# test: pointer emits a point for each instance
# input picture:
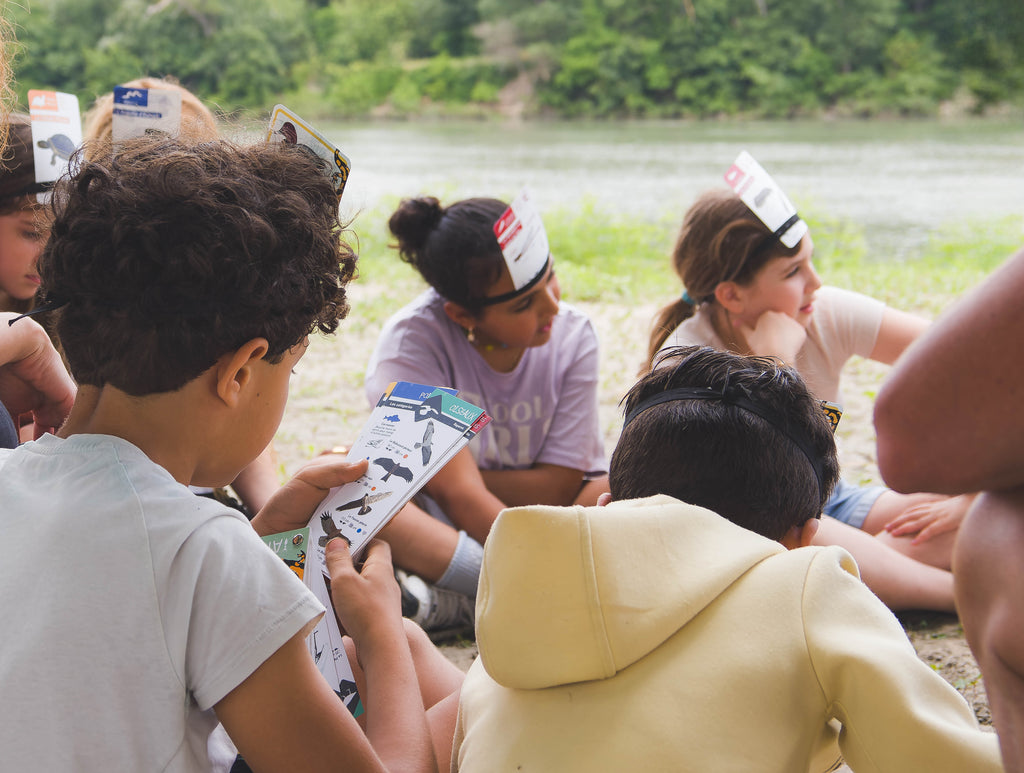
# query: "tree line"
(568, 58)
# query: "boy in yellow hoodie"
(687, 626)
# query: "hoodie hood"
(571, 594)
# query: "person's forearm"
(396, 721)
(545, 484)
(947, 418)
(463, 496)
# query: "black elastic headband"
(516, 293)
(782, 229)
(729, 397)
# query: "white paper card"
(764, 198)
(56, 133)
(523, 240)
(143, 111)
(286, 126)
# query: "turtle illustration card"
(286, 126)
(145, 111)
(56, 133)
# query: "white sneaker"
(441, 613)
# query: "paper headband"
(286, 126)
(765, 198)
(138, 112)
(524, 245)
(56, 134)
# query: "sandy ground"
(327, 407)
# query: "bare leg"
(420, 543)
(900, 582)
(936, 551)
(989, 589)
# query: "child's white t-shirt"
(130, 607)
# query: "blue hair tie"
(687, 299)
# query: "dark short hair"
(169, 255)
(719, 455)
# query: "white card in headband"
(765, 198)
(523, 241)
(56, 133)
(286, 126)
(138, 112)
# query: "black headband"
(730, 397)
(516, 293)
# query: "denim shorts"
(850, 503)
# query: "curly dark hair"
(170, 255)
(454, 248)
(719, 455)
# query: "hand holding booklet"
(412, 432)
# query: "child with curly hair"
(187, 280)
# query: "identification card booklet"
(413, 431)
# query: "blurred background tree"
(586, 58)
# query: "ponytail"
(665, 321)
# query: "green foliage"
(602, 255)
(444, 79)
(585, 58)
(360, 86)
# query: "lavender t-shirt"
(543, 411)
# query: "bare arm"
(32, 375)
(948, 418)
(293, 504)
(460, 490)
(898, 330)
(472, 498)
(285, 716)
(541, 484)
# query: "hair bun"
(414, 221)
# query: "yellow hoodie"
(651, 635)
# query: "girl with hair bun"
(748, 293)
(491, 325)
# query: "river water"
(900, 180)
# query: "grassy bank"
(605, 257)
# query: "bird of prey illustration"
(331, 530)
(424, 444)
(430, 408)
(393, 467)
(364, 502)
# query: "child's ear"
(729, 296)
(234, 369)
(800, 536)
(459, 315)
